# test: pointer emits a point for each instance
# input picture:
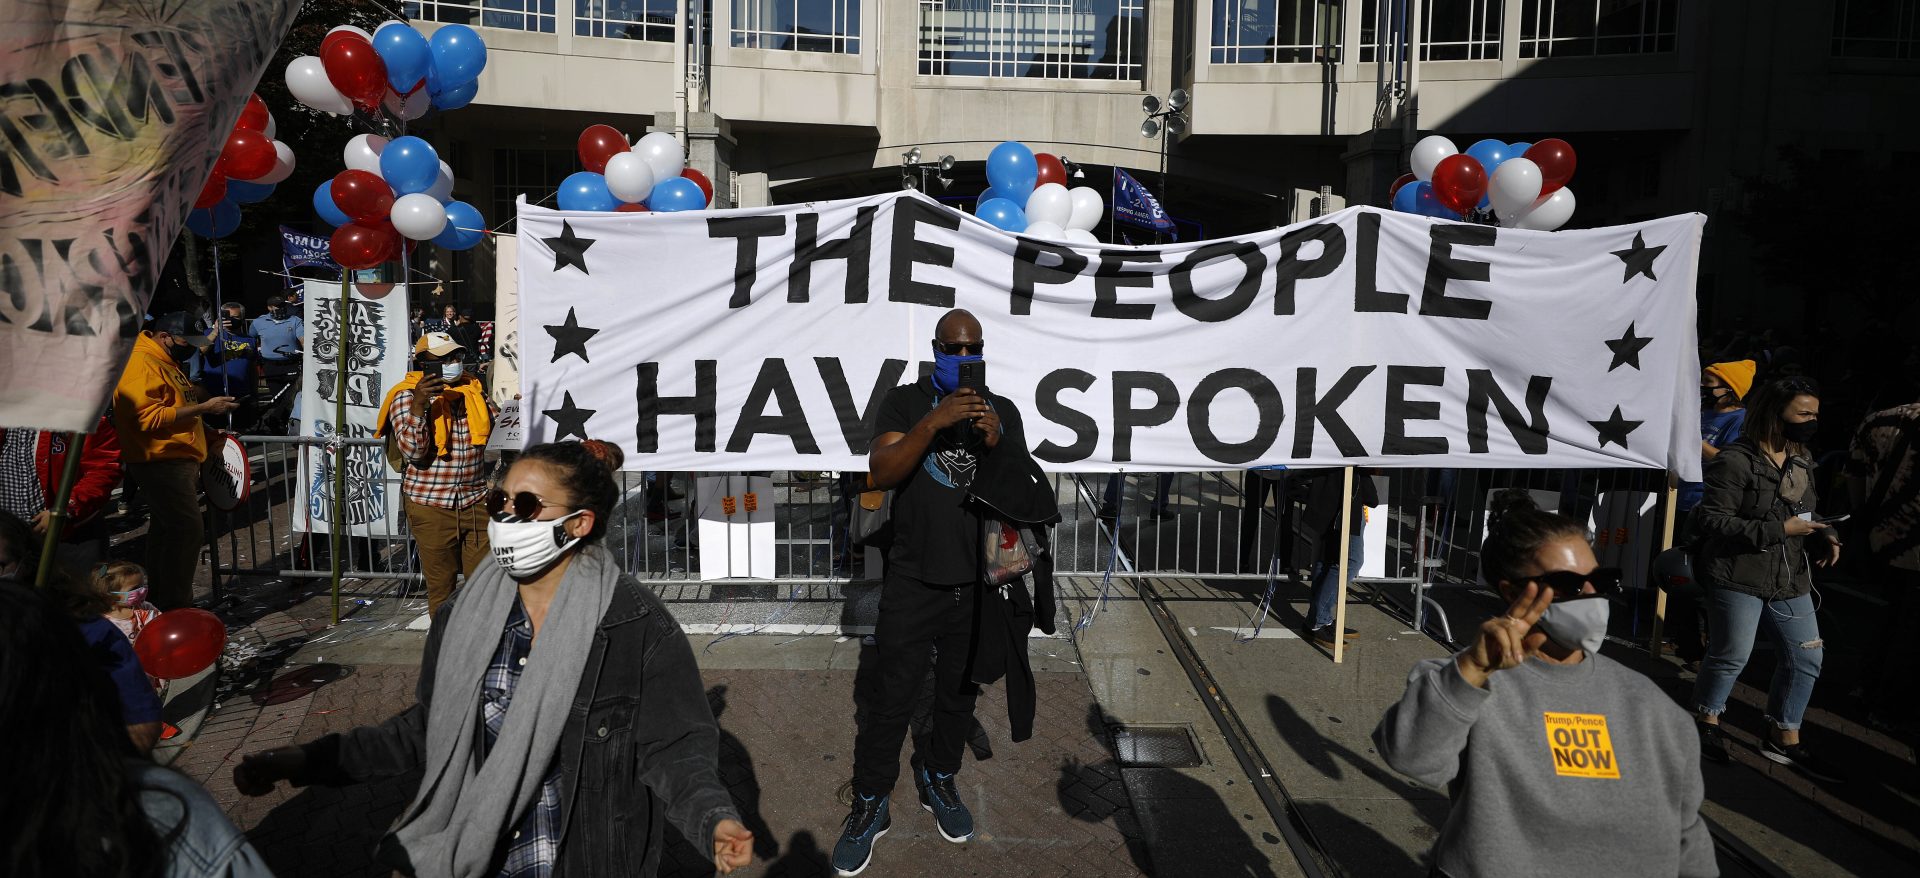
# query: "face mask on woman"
(1580, 623)
(525, 548)
(1800, 433)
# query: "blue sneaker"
(868, 821)
(942, 800)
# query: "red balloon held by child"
(180, 643)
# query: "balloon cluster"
(251, 163)
(395, 66)
(1523, 185)
(393, 189)
(1027, 194)
(650, 176)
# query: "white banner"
(378, 357)
(762, 339)
(504, 372)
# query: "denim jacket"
(208, 845)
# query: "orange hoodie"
(146, 409)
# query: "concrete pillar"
(710, 145)
(1373, 161)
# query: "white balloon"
(282, 164)
(387, 24)
(418, 216)
(1045, 231)
(307, 80)
(1428, 153)
(629, 177)
(363, 34)
(271, 126)
(1549, 213)
(363, 153)
(1515, 187)
(1051, 204)
(442, 190)
(408, 107)
(1081, 236)
(663, 155)
(1088, 207)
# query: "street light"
(1161, 122)
(913, 171)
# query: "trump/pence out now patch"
(1581, 745)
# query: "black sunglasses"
(961, 348)
(525, 505)
(1568, 585)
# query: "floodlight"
(1150, 104)
(1177, 100)
(1149, 129)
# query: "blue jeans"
(1326, 576)
(1733, 619)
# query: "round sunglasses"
(524, 505)
(1568, 585)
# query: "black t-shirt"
(936, 537)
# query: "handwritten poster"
(374, 333)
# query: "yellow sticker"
(1581, 745)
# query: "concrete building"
(1671, 104)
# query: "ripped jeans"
(1734, 618)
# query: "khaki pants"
(450, 542)
(175, 532)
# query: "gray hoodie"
(1563, 770)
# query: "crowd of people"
(529, 608)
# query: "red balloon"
(180, 643)
(362, 195)
(247, 155)
(700, 180)
(1458, 182)
(1052, 170)
(1403, 180)
(356, 70)
(253, 116)
(214, 191)
(358, 246)
(598, 144)
(332, 37)
(635, 207)
(1556, 160)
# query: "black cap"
(180, 326)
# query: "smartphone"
(1831, 519)
(974, 375)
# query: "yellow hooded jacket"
(146, 408)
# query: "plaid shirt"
(456, 481)
(535, 843)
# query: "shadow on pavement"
(328, 831)
(1347, 840)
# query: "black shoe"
(942, 799)
(1324, 636)
(1713, 744)
(1797, 757)
(868, 821)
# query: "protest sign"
(375, 334)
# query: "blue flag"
(300, 249)
(1133, 204)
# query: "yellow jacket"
(146, 409)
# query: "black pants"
(283, 385)
(916, 618)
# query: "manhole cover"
(1154, 746)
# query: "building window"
(797, 25)
(650, 20)
(1450, 30)
(1571, 28)
(535, 173)
(1047, 39)
(527, 15)
(1276, 31)
(1877, 29)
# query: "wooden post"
(1671, 511)
(57, 510)
(1346, 538)
(343, 322)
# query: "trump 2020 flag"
(1133, 204)
(114, 115)
(299, 250)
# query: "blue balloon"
(200, 221)
(246, 192)
(407, 53)
(463, 225)
(1490, 153)
(1003, 214)
(456, 97)
(324, 206)
(676, 194)
(985, 196)
(409, 165)
(226, 218)
(458, 55)
(1418, 198)
(1012, 172)
(586, 190)
(1518, 149)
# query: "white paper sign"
(507, 428)
(736, 526)
(378, 357)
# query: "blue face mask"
(946, 370)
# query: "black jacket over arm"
(1010, 486)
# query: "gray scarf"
(464, 807)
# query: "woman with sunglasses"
(1757, 566)
(1559, 760)
(561, 720)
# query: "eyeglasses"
(1568, 585)
(525, 505)
(961, 348)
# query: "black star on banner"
(571, 338)
(569, 248)
(568, 419)
(1639, 258)
(1626, 348)
(1615, 429)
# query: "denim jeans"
(1326, 576)
(1733, 619)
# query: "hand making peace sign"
(1504, 641)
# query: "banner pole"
(1346, 538)
(1670, 511)
(339, 430)
(57, 513)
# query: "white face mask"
(526, 548)
(452, 371)
(1577, 624)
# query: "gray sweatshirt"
(1563, 770)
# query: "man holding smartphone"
(437, 421)
(929, 439)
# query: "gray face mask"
(1577, 624)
